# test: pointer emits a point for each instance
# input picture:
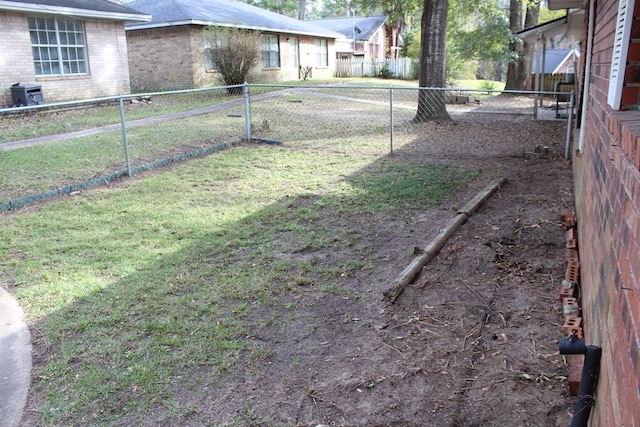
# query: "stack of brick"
(570, 300)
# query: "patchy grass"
(316, 120)
(139, 291)
(479, 84)
(65, 120)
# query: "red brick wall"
(607, 185)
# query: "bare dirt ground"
(472, 342)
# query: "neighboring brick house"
(169, 52)
(606, 163)
(364, 36)
(73, 49)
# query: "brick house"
(72, 49)
(364, 36)
(169, 52)
(606, 164)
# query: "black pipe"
(571, 345)
(589, 379)
(587, 386)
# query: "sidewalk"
(11, 145)
(15, 361)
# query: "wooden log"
(475, 203)
(427, 254)
(409, 274)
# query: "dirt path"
(473, 342)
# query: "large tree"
(477, 32)
(431, 103)
(519, 68)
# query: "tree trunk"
(431, 103)
(519, 69)
(533, 12)
(515, 77)
(531, 20)
(302, 14)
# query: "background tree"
(400, 15)
(328, 9)
(515, 77)
(233, 52)
(477, 32)
(431, 103)
(547, 15)
(290, 8)
(519, 69)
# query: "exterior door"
(294, 55)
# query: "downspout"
(587, 73)
(589, 379)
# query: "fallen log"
(409, 274)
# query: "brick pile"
(570, 300)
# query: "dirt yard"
(472, 342)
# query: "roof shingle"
(90, 5)
(362, 27)
(224, 13)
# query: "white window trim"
(59, 46)
(273, 47)
(322, 53)
(620, 52)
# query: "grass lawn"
(130, 290)
(479, 84)
(37, 169)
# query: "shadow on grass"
(161, 292)
(144, 297)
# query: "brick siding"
(106, 49)
(160, 59)
(607, 186)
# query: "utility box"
(23, 95)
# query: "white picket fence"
(401, 68)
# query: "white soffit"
(566, 4)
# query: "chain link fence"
(61, 148)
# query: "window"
(216, 41)
(322, 53)
(270, 51)
(58, 46)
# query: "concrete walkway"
(15, 361)
(12, 145)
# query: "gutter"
(587, 74)
(152, 25)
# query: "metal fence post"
(247, 111)
(567, 143)
(391, 117)
(125, 140)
